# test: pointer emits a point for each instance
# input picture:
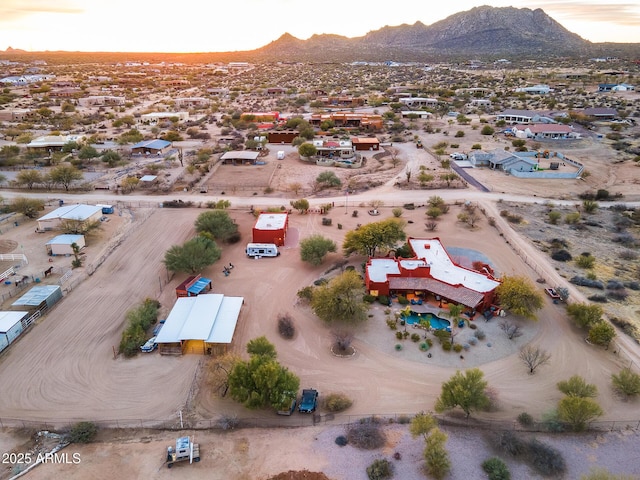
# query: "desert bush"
(305, 293)
(598, 298)
(397, 212)
(626, 383)
(479, 334)
(561, 256)
(383, 300)
(614, 284)
(586, 282)
(546, 459)
(399, 335)
(633, 285)
(457, 348)
(380, 469)
(585, 261)
(473, 341)
(572, 218)
(466, 347)
(392, 324)
(525, 419)
(367, 298)
(228, 422)
(511, 443)
(602, 194)
(402, 300)
(626, 239)
(620, 295)
(285, 326)
(366, 434)
(626, 326)
(554, 216)
(336, 402)
(83, 432)
(446, 346)
(496, 469)
(415, 337)
(341, 440)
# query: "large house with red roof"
(431, 272)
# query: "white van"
(259, 250)
(280, 155)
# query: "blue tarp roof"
(153, 144)
(199, 286)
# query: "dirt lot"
(64, 368)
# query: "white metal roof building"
(82, 213)
(202, 324)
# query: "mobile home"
(258, 250)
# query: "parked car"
(309, 401)
(458, 156)
(157, 328)
(150, 345)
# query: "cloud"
(13, 10)
(627, 14)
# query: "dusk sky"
(218, 26)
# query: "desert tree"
(217, 223)
(339, 302)
(129, 184)
(367, 239)
(422, 425)
(295, 187)
(302, 204)
(584, 314)
(29, 207)
(602, 333)
(578, 411)
(518, 295)
(465, 390)
(262, 381)
(328, 179)
(511, 330)
(29, 178)
(65, 175)
(193, 255)
(313, 249)
(307, 150)
(534, 357)
(220, 369)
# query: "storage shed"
(61, 245)
(203, 324)
(271, 228)
(151, 147)
(11, 327)
(193, 286)
(39, 297)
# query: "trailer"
(184, 450)
(259, 250)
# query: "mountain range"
(485, 31)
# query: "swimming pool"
(435, 322)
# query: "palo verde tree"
(193, 255)
(518, 295)
(302, 204)
(339, 302)
(313, 249)
(370, 238)
(261, 381)
(465, 390)
(65, 175)
(584, 314)
(29, 178)
(218, 224)
(29, 207)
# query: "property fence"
(225, 422)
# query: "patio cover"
(456, 293)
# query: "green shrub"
(525, 419)
(336, 402)
(341, 440)
(457, 348)
(496, 469)
(83, 432)
(383, 300)
(511, 443)
(479, 334)
(399, 335)
(446, 346)
(572, 218)
(585, 261)
(305, 293)
(402, 300)
(380, 469)
(392, 324)
(415, 337)
(398, 347)
(368, 298)
(139, 320)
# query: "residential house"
(419, 102)
(431, 272)
(601, 113)
(541, 131)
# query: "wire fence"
(228, 422)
